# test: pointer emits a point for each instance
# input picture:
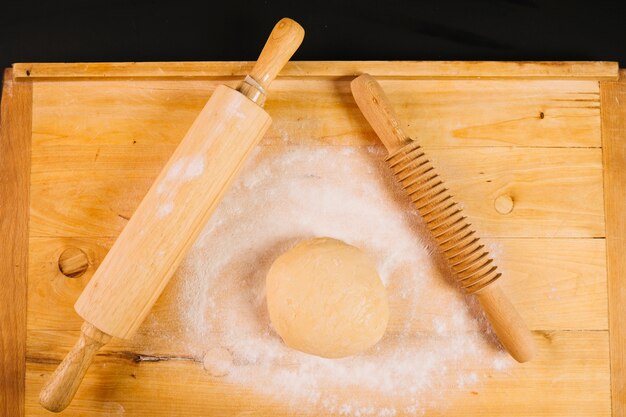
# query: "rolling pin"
(470, 261)
(172, 214)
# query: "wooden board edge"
(15, 142)
(575, 70)
(613, 110)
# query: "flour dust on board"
(283, 195)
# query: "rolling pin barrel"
(469, 260)
(172, 214)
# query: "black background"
(75, 31)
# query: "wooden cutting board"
(81, 143)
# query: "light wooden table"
(81, 143)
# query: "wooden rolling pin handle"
(282, 43)
(379, 112)
(58, 392)
(507, 323)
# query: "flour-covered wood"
(98, 144)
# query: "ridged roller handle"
(60, 389)
(469, 260)
(507, 323)
(377, 109)
(282, 43)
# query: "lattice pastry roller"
(473, 267)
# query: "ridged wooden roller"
(469, 259)
(473, 266)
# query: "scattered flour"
(437, 344)
(195, 167)
(218, 361)
(166, 208)
(183, 170)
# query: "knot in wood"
(73, 262)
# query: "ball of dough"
(325, 298)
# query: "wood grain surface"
(98, 144)
(412, 69)
(15, 138)
(613, 99)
